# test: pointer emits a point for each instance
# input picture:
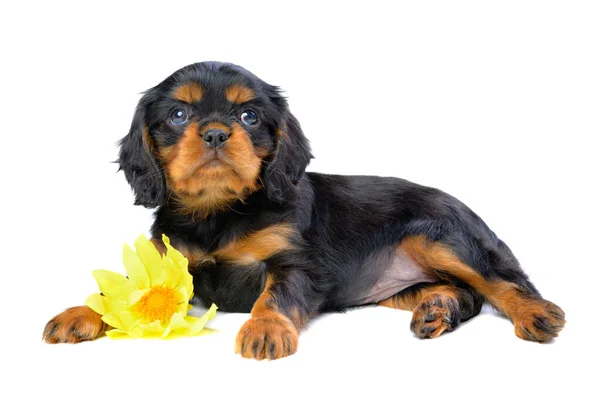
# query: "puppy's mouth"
(214, 159)
(213, 163)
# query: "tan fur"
(269, 334)
(504, 296)
(436, 257)
(410, 300)
(258, 245)
(202, 188)
(244, 251)
(239, 94)
(76, 324)
(188, 92)
(214, 125)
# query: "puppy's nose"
(215, 138)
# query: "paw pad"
(435, 315)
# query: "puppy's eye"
(178, 116)
(249, 118)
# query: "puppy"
(219, 155)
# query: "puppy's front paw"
(74, 325)
(267, 338)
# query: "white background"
(496, 103)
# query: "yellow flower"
(153, 300)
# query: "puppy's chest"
(232, 275)
(247, 250)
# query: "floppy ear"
(139, 165)
(292, 155)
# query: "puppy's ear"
(137, 162)
(292, 155)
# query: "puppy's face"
(211, 132)
(209, 135)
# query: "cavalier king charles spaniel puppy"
(217, 152)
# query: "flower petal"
(113, 306)
(183, 307)
(166, 333)
(171, 274)
(176, 323)
(185, 287)
(192, 325)
(188, 282)
(181, 262)
(103, 305)
(135, 268)
(154, 329)
(185, 300)
(135, 296)
(115, 333)
(96, 303)
(150, 257)
(112, 320)
(113, 285)
(136, 332)
(123, 320)
(128, 319)
(173, 254)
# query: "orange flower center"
(158, 304)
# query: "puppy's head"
(211, 134)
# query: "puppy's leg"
(276, 318)
(437, 308)
(74, 325)
(495, 274)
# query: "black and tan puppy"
(218, 153)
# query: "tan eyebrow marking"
(188, 92)
(239, 94)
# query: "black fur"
(139, 165)
(290, 160)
